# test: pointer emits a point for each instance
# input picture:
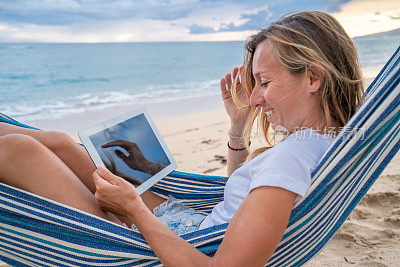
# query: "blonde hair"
(301, 39)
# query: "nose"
(256, 98)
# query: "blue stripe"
(354, 202)
(383, 70)
(10, 261)
(65, 212)
(14, 122)
(347, 196)
(359, 116)
(210, 191)
(29, 256)
(287, 244)
(62, 255)
(310, 203)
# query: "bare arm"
(238, 117)
(258, 225)
(235, 158)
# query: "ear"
(315, 77)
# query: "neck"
(319, 124)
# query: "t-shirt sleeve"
(288, 169)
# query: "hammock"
(37, 231)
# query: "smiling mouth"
(269, 112)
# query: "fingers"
(236, 77)
(120, 154)
(119, 142)
(99, 182)
(122, 143)
(105, 176)
(229, 78)
(228, 81)
(113, 143)
(241, 71)
(223, 86)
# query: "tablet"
(130, 146)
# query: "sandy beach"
(370, 236)
(68, 66)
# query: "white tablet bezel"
(86, 133)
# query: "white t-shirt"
(288, 165)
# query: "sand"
(370, 236)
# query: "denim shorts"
(177, 216)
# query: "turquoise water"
(51, 80)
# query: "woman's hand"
(113, 193)
(237, 115)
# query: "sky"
(92, 21)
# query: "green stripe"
(391, 123)
(44, 241)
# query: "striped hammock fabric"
(37, 231)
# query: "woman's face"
(285, 98)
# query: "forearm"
(236, 158)
(170, 249)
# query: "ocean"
(42, 81)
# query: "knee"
(16, 144)
(57, 141)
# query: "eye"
(264, 84)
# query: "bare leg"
(70, 152)
(27, 164)
(73, 155)
(151, 200)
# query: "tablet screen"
(130, 147)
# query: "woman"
(300, 75)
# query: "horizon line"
(141, 42)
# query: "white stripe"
(371, 115)
(369, 118)
(188, 180)
(361, 184)
(174, 188)
(190, 183)
(71, 258)
(346, 146)
(69, 244)
(77, 223)
(19, 257)
(16, 258)
(37, 256)
(337, 194)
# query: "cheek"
(287, 96)
(272, 96)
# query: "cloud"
(361, 17)
(150, 20)
(65, 12)
(197, 29)
(272, 10)
(253, 22)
